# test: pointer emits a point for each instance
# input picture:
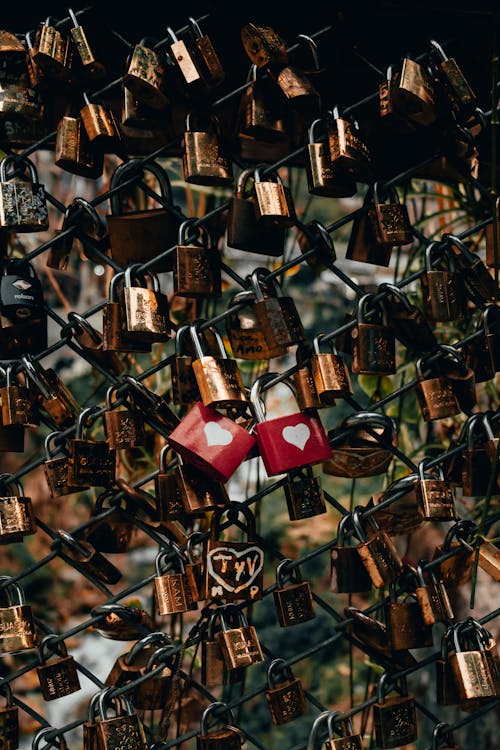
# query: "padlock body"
(273, 204)
(199, 492)
(240, 647)
(184, 386)
(395, 722)
(58, 678)
(146, 315)
(381, 559)
(145, 77)
(280, 321)
(196, 272)
(17, 629)
(16, 518)
(115, 338)
(244, 232)
(406, 626)
(173, 594)
(472, 675)
(91, 464)
(331, 376)
(436, 398)
(219, 739)
(304, 496)
(202, 162)
(234, 570)
(305, 390)
(214, 671)
(56, 473)
(289, 442)
(435, 499)
(72, 149)
(112, 733)
(23, 206)
(348, 574)
(374, 350)
(123, 428)
(219, 380)
(294, 604)
(442, 295)
(286, 701)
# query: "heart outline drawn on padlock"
(236, 554)
(216, 435)
(297, 435)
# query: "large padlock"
(273, 202)
(377, 551)
(303, 494)
(347, 738)
(203, 159)
(293, 601)
(234, 570)
(91, 462)
(322, 178)
(394, 719)
(115, 338)
(245, 331)
(411, 328)
(330, 373)
(58, 677)
(145, 76)
(405, 623)
(173, 592)
(434, 495)
(142, 234)
(442, 287)
(88, 65)
(196, 266)
(238, 641)
(366, 449)
(244, 231)
(413, 93)
(123, 427)
(146, 308)
(9, 720)
(23, 205)
(112, 731)
(278, 316)
(348, 152)
(373, 343)
(284, 695)
(52, 52)
(435, 394)
(219, 378)
(17, 627)
(287, 442)
(348, 574)
(73, 152)
(226, 737)
(460, 95)
(17, 518)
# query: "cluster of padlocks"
(212, 421)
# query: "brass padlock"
(227, 737)
(203, 159)
(238, 640)
(406, 627)
(113, 532)
(277, 314)
(330, 373)
(394, 719)
(195, 565)
(456, 570)
(446, 685)
(284, 695)
(435, 394)
(173, 592)
(196, 266)
(159, 687)
(185, 389)
(303, 494)
(413, 93)
(477, 464)
(366, 450)
(489, 559)
(120, 622)
(52, 52)
(219, 378)
(199, 493)
(88, 65)
(244, 232)
(208, 59)
(23, 205)
(17, 626)
(372, 635)
(296, 86)
(347, 571)
(101, 127)
(73, 152)
(432, 597)
(305, 389)
(293, 602)
(123, 427)
(460, 95)
(348, 152)
(245, 332)
(9, 720)
(389, 218)
(373, 343)
(169, 500)
(125, 724)
(146, 307)
(145, 77)
(273, 202)
(91, 463)
(260, 118)
(482, 354)
(127, 667)
(17, 518)
(470, 667)
(263, 46)
(58, 677)
(434, 495)
(82, 223)
(479, 284)
(363, 246)
(214, 671)
(56, 469)
(377, 551)
(411, 328)
(322, 178)
(114, 330)
(348, 739)
(81, 554)
(442, 288)
(17, 402)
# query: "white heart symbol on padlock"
(297, 435)
(217, 435)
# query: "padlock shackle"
(317, 345)
(358, 527)
(74, 19)
(442, 731)
(84, 419)
(164, 561)
(195, 27)
(17, 162)
(429, 250)
(243, 177)
(216, 706)
(36, 373)
(255, 393)
(460, 531)
(12, 586)
(371, 419)
(471, 429)
(270, 174)
(454, 354)
(121, 704)
(42, 733)
(278, 666)
(200, 536)
(397, 292)
(9, 480)
(390, 193)
(202, 235)
(98, 221)
(198, 336)
(135, 273)
(123, 173)
(281, 573)
(161, 656)
(432, 472)
(320, 719)
(162, 639)
(345, 521)
(46, 651)
(436, 47)
(76, 320)
(312, 46)
(340, 724)
(232, 511)
(363, 303)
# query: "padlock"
(208, 59)
(146, 307)
(348, 739)
(244, 231)
(479, 284)
(124, 726)
(227, 737)
(278, 316)
(87, 559)
(23, 205)
(371, 635)
(52, 52)
(195, 564)
(305, 389)
(56, 469)
(185, 389)
(89, 727)
(17, 518)
(122, 623)
(37, 78)
(145, 77)
(432, 597)
(91, 463)
(347, 571)
(219, 378)
(362, 246)
(113, 532)
(263, 45)
(17, 626)
(482, 353)
(396, 509)
(477, 465)
(57, 740)
(456, 570)
(196, 266)
(303, 494)
(101, 126)
(296, 86)
(293, 601)
(287, 442)
(51, 393)
(127, 667)
(156, 691)
(123, 427)
(245, 332)
(234, 570)
(140, 235)
(284, 695)
(491, 651)
(191, 71)
(115, 337)
(394, 719)
(442, 288)
(199, 493)
(446, 686)
(434, 495)
(203, 159)
(405, 623)
(411, 328)
(330, 373)
(373, 343)
(492, 238)
(460, 95)
(413, 93)
(169, 503)
(470, 667)
(238, 641)
(58, 677)
(363, 452)
(88, 65)
(442, 734)
(21, 296)
(73, 152)
(155, 407)
(260, 117)
(214, 671)
(9, 720)
(322, 178)
(377, 551)
(87, 227)
(435, 394)
(272, 201)
(17, 402)
(389, 218)
(172, 588)
(348, 152)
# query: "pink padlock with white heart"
(289, 442)
(211, 441)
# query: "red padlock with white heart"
(288, 442)
(211, 441)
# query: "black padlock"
(21, 296)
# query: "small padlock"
(186, 60)
(434, 495)
(101, 127)
(442, 288)
(287, 442)
(88, 64)
(435, 394)
(203, 160)
(199, 493)
(145, 77)
(21, 296)
(442, 738)
(219, 378)
(23, 204)
(296, 86)
(348, 574)
(459, 93)
(322, 178)
(56, 469)
(470, 667)
(373, 343)
(303, 494)
(17, 626)
(17, 519)
(284, 695)
(453, 366)
(73, 152)
(227, 737)
(114, 329)
(366, 450)
(405, 623)
(330, 373)
(413, 93)
(91, 463)
(58, 677)
(278, 316)
(273, 202)
(411, 328)
(197, 271)
(53, 395)
(214, 671)
(146, 308)
(433, 598)
(113, 532)
(185, 389)
(244, 231)
(169, 501)
(9, 720)
(303, 382)
(293, 602)
(348, 152)
(52, 52)
(377, 551)
(245, 332)
(172, 588)
(112, 732)
(348, 739)
(17, 402)
(389, 218)
(394, 719)
(213, 72)
(238, 640)
(195, 564)
(476, 458)
(123, 427)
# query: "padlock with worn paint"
(146, 308)
(273, 202)
(442, 287)
(433, 493)
(303, 382)
(214, 671)
(126, 723)
(413, 93)
(91, 462)
(348, 574)
(389, 218)
(101, 126)
(58, 677)
(17, 626)
(377, 551)
(263, 45)
(348, 152)
(203, 158)
(170, 506)
(219, 378)
(347, 738)
(278, 316)
(362, 452)
(296, 86)
(245, 331)
(52, 52)
(303, 494)
(237, 639)
(73, 152)
(479, 284)
(394, 719)
(56, 468)
(458, 91)
(17, 518)
(284, 695)
(373, 343)
(207, 57)
(293, 600)
(145, 77)
(435, 394)
(87, 64)
(196, 264)
(173, 590)
(469, 666)
(23, 205)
